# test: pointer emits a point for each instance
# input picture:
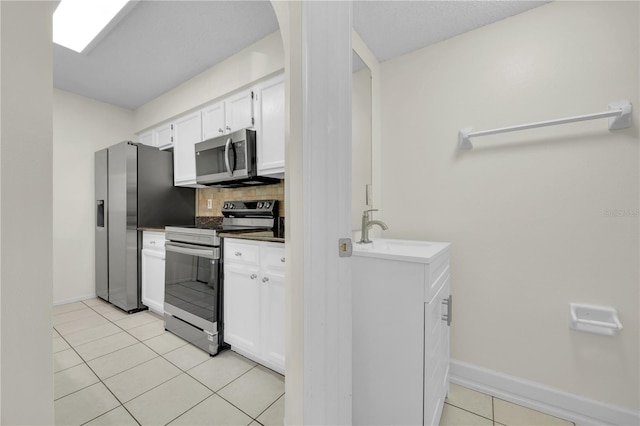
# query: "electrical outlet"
(209, 203)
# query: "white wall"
(259, 60)
(81, 126)
(527, 211)
(26, 71)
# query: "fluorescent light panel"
(77, 22)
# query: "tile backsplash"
(220, 195)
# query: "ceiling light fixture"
(77, 22)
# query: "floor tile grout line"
(223, 398)
(469, 411)
(107, 412)
(493, 410)
(191, 408)
(106, 387)
(100, 380)
(108, 353)
(238, 408)
(80, 331)
(263, 411)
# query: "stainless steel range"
(193, 271)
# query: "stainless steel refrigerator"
(134, 189)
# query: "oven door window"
(192, 283)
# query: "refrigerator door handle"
(100, 214)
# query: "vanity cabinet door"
(436, 341)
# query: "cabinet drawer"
(272, 257)
(153, 240)
(245, 253)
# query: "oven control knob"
(260, 205)
(225, 206)
(267, 205)
(231, 205)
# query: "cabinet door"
(162, 137)
(187, 131)
(146, 138)
(213, 121)
(239, 111)
(153, 280)
(436, 342)
(241, 308)
(270, 126)
(272, 318)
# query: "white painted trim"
(74, 299)
(326, 204)
(576, 408)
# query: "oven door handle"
(226, 156)
(209, 253)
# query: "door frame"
(317, 49)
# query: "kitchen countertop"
(150, 228)
(272, 236)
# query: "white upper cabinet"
(213, 121)
(269, 101)
(162, 136)
(146, 138)
(228, 115)
(239, 111)
(260, 107)
(187, 131)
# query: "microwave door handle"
(226, 156)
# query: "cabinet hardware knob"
(228, 128)
(282, 259)
(238, 253)
(265, 279)
(254, 276)
(220, 130)
(152, 242)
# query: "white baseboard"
(74, 299)
(578, 409)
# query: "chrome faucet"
(368, 223)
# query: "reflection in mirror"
(361, 141)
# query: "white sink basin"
(403, 250)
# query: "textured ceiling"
(160, 44)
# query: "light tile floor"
(111, 368)
(467, 407)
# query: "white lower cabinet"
(400, 340)
(254, 300)
(152, 267)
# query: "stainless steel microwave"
(229, 161)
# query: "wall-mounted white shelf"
(594, 319)
(618, 113)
